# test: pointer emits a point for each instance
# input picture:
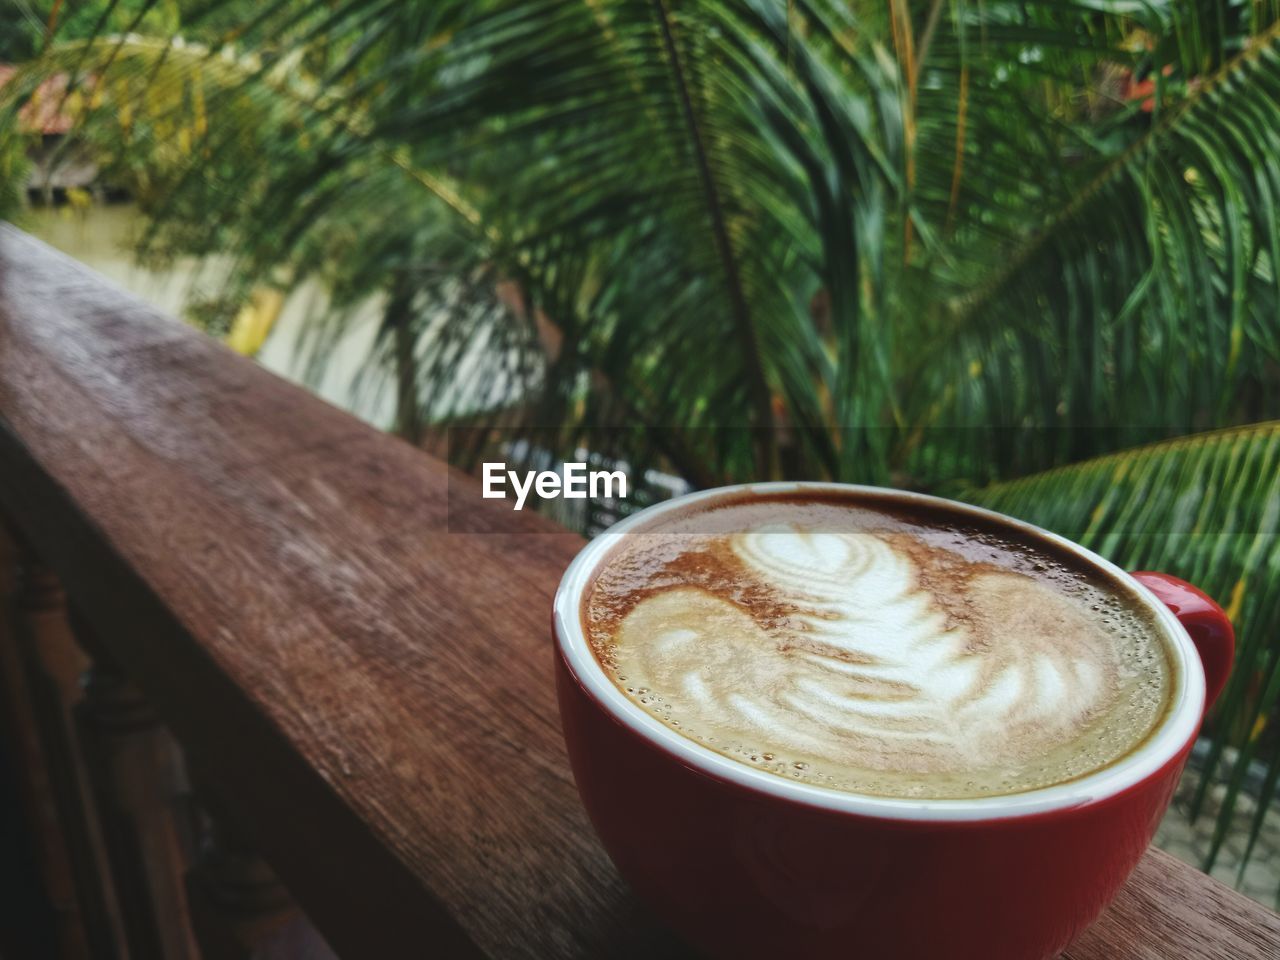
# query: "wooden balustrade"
(355, 663)
(135, 782)
(48, 667)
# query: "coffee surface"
(845, 643)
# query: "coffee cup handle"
(1206, 622)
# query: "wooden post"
(50, 915)
(46, 667)
(239, 908)
(136, 774)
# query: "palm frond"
(1206, 508)
(653, 209)
(1149, 302)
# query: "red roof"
(42, 113)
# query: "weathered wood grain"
(369, 688)
(1169, 910)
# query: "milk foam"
(880, 662)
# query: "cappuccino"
(846, 641)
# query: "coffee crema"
(845, 641)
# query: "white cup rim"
(1170, 737)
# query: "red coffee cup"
(744, 863)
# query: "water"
(102, 237)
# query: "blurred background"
(1025, 253)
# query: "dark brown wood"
(49, 665)
(368, 687)
(63, 930)
(240, 910)
(135, 776)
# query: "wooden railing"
(306, 646)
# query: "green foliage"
(20, 31)
(937, 245)
(1205, 508)
(13, 175)
(1148, 301)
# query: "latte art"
(877, 656)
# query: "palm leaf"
(665, 198)
(1206, 508)
(1148, 302)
